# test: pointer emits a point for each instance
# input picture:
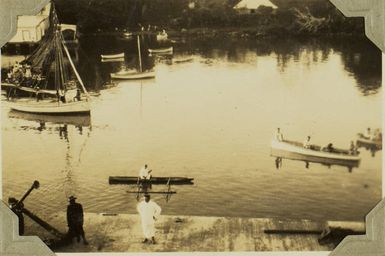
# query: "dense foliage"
(291, 17)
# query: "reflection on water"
(279, 160)
(360, 58)
(212, 119)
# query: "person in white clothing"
(145, 173)
(149, 212)
(368, 133)
(279, 135)
(306, 143)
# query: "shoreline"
(123, 233)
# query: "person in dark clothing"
(17, 209)
(75, 220)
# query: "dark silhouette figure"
(75, 220)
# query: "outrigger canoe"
(132, 180)
(365, 142)
(295, 150)
(113, 56)
(168, 50)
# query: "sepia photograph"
(191, 125)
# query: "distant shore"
(231, 32)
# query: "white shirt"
(144, 174)
(148, 211)
(306, 143)
(279, 136)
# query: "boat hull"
(113, 56)
(132, 180)
(289, 151)
(161, 51)
(70, 119)
(52, 108)
(133, 76)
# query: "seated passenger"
(279, 135)
(353, 148)
(306, 143)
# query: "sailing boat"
(58, 87)
(134, 74)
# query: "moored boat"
(168, 50)
(113, 60)
(128, 75)
(183, 60)
(134, 74)
(52, 77)
(51, 107)
(295, 150)
(112, 56)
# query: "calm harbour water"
(211, 119)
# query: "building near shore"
(30, 29)
(253, 6)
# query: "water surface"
(211, 119)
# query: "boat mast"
(140, 56)
(74, 68)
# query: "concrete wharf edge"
(123, 233)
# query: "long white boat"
(113, 56)
(51, 107)
(128, 75)
(295, 150)
(168, 50)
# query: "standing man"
(149, 212)
(279, 135)
(75, 220)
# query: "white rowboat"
(113, 56)
(52, 107)
(168, 50)
(133, 75)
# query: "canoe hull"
(161, 51)
(133, 76)
(53, 108)
(288, 151)
(132, 180)
(113, 56)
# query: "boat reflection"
(76, 120)
(373, 148)
(326, 162)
